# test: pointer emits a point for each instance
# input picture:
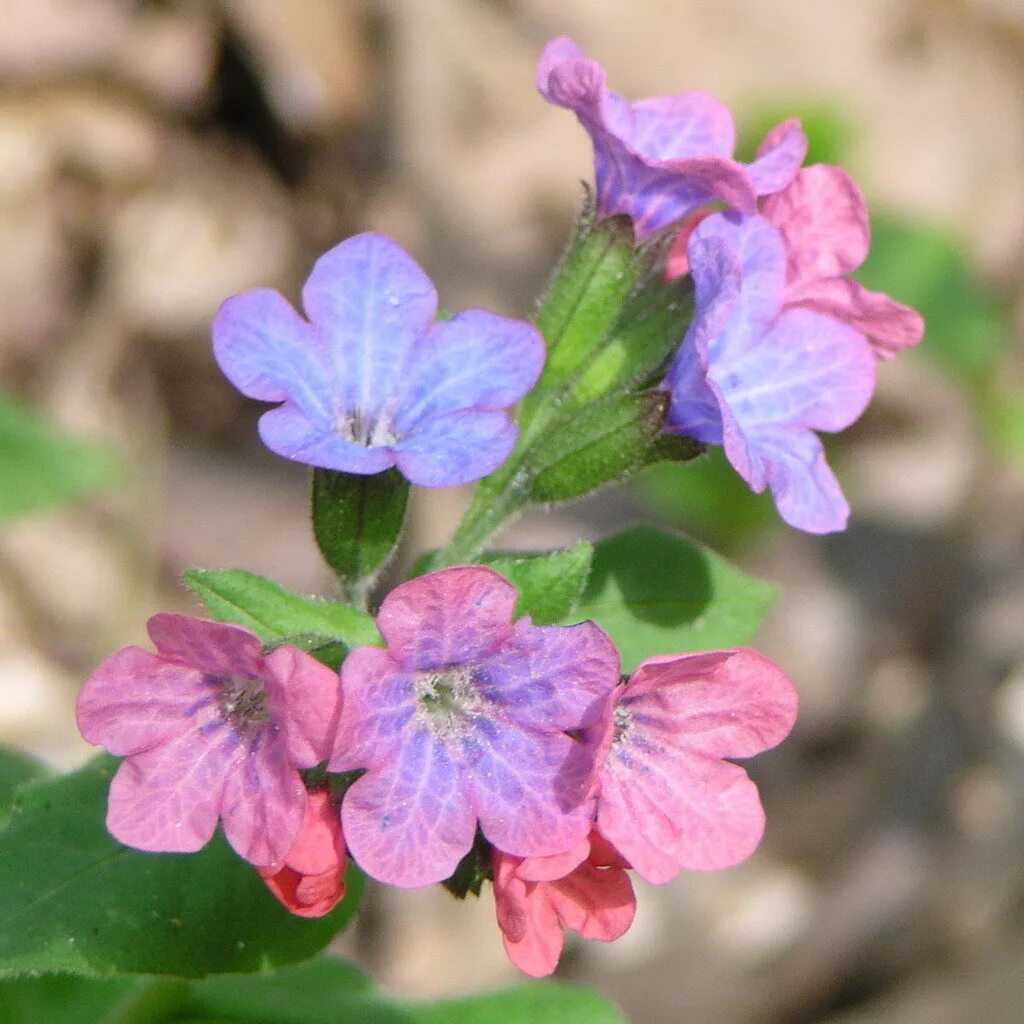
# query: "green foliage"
(275, 614)
(325, 990)
(549, 583)
(357, 520)
(16, 769)
(40, 467)
(829, 131)
(73, 899)
(655, 593)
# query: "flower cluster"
(783, 343)
(466, 720)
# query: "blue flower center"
(447, 699)
(368, 431)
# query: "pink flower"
(667, 798)
(586, 890)
(823, 221)
(463, 720)
(210, 730)
(311, 880)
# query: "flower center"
(622, 719)
(446, 699)
(243, 702)
(366, 431)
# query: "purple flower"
(209, 729)
(463, 719)
(660, 159)
(370, 381)
(759, 378)
(668, 800)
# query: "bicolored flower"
(823, 221)
(463, 720)
(311, 880)
(369, 381)
(660, 159)
(586, 890)
(760, 377)
(668, 800)
(209, 730)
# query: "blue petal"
(475, 360)
(456, 448)
(370, 301)
(269, 352)
(287, 431)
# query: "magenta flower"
(463, 719)
(370, 381)
(660, 159)
(667, 799)
(823, 222)
(209, 729)
(586, 890)
(760, 378)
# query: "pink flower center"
(447, 699)
(243, 702)
(622, 721)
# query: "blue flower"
(760, 378)
(369, 381)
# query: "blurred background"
(157, 156)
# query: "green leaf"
(40, 467)
(331, 990)
(655, 593)
(73, 899)
(62, 998)
(357, 520)
(273, 613)
(549, 583)
(605, 441)
(16, 769)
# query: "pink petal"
(211, 646)
(597, 903)
(167, 800)
(824, 223)
(136, 700)
(311, 706)
(449, 617)
(264, 801)
(531, 932)
(558, 865)
(724, 703)
(887, 324)
(667, 809)
(779, 157)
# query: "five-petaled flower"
(311, 880)
(370, 381)
(464, 719)
(209, 729)
(667, 798)
(585, 890)
(759, 376)
(659, 159)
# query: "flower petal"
(552, 677)
(666, 809)
(311, 705)
(530, 929)
(264, 801)
(476, 360)
(779, 157)
(528, 789)
(411, 824)
(269, 352)
(167, 800)
(597, 903)
(685, 124)
(456, 448)
(449, 617)
(135, 701)
(287, 431)
(823, 221)
(216, 647)
(370, 301)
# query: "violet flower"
(463, 719)
(659, 159)
(370, 381)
